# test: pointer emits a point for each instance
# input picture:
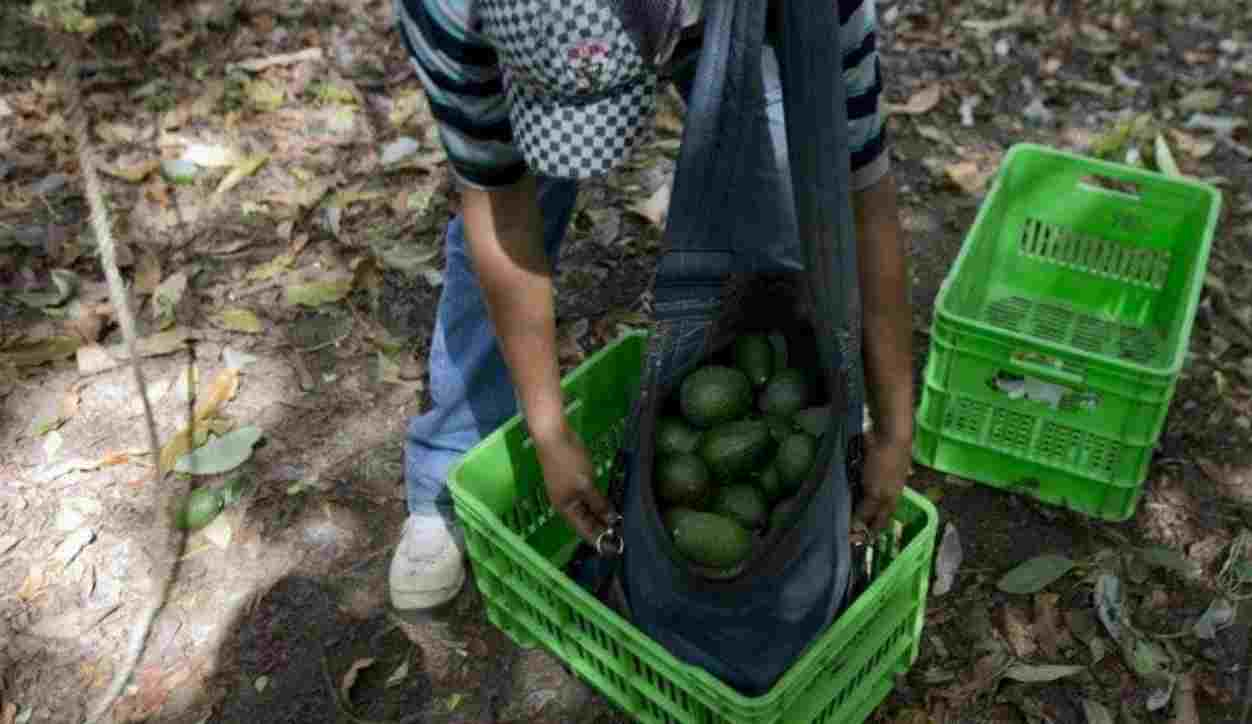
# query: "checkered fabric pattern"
(580, 94)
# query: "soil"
(277, 601)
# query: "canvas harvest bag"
(748, 626)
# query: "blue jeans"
(469, 382)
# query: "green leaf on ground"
(1035, 574)
(1203, 100)
(242, 170)
(167, 296)
(264, 96)
(319, 292)
(64, 284)
(273, 267)
(1096, 712)
(1030, 674)
(1165, 557)
(40, 351)
(218, 456)
(1165, 162)
(239, 319)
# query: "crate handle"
(1103, 184)
(1046, 371)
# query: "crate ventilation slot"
(1011, 431)
(1109, 259)
(1062, 325)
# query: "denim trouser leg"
(470, 386)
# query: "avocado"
(779, 344)
(734, 448)
(795, 459)
(770, 484)
(786, 394)
(200, 508)
(755, 358)
(715, 394)
(712, 540)
(744, 503)
(814, 420)
(781, 513)
(675, 437)
(673, 515)
(779, 427)
(682, 479)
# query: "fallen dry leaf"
(1208, 551)
(147, 272)
(94, 358)
(34, 584)
(88, 321)
(269, 269)
(1017, 631)
(152, 691)
(238, 319)
(132, 171)
(1048, 629)
(220, 391)
(1193, 146)
(9, 713)
(912, 716)
(923, 101)
(968, 176)
(242, 170)
(569, 345)
(1236, 482)
(1185, 711)
(349, 678)
(114, 458)
(72, 624)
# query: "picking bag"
(746, 626)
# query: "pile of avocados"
(736, 441)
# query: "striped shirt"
(458, 69)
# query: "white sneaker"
(428, 568)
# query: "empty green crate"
(1078, 284)
(518, 546)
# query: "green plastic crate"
(518, 546)
(1060, 332)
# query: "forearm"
(887, 318)
(505, 234)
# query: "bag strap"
(814, 103)
(655, 25)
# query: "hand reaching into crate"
(569, 477)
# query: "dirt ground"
(284, 594)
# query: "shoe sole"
(424, 600)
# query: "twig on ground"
(99, 220)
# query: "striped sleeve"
(460, 74)
(862, 72)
